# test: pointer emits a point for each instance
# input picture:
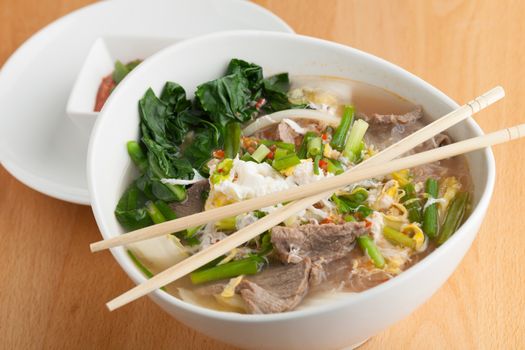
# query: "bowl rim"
(134, 273)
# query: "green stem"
(369, 248)
(179, 191)
(339, 138)
(398, 238)
(316, 164)
(280, 152)
(137, 155)
(287, 146)
(154, 213)
(232, 142)
(414, 206)
(248, 266)
(165, 210)
(334, 166)
(353, 144)
(285, 162)
(304, 145)
(260, 153)
(313, 147)
(455, 214)
(430, 214)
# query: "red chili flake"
(326, 221)
(220, 170)
(218, 153)
(261, 102)
(324, 137)
(270, 155)
(323, 164)
(368, 224)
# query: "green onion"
(165, 210)
(260, 153)
(354, 145)
(285, 162)
(141, 267)
(154, 213)
(398, 238)
(414, 206)
(248, 266)
(280, 152)
(188, 236)
(430, 214)
(339, 138)
(266, 245)
(313, 146)
(232, 140)
(287, 146)
(369, 248)
(316, 164)
(303, 150)
(137, 155)
(334, 166)
(247, 157)
(227, 224)
(455, 214)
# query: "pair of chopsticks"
(307, 195)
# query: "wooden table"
(52, 290)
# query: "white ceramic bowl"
(331, 325)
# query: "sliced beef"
(275, 289)
(286, 133)
(394, 119)
(385, 130)
(435, 142)
(320, 243)
(194, 202)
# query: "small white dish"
(99, 63)
(346, 319)
(39, 144)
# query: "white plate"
(39, 145)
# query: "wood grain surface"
(52, 290)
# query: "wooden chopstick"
(244, 235)
(389, 153)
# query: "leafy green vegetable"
(275, 91)
(252, 72)
(233, 97)
(198, 148)
(130, 211)
(175, 97)
(178, 136)
(226, 99)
